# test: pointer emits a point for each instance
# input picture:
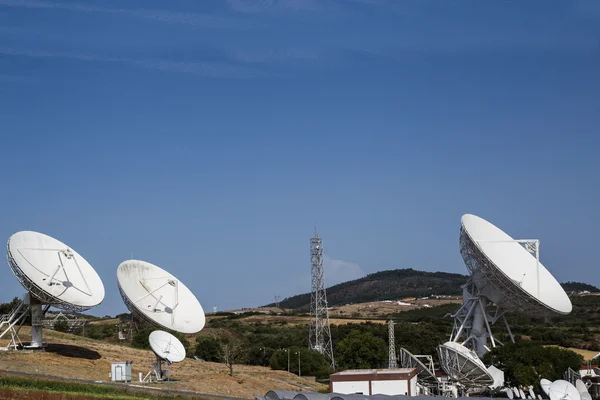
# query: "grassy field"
(43, 389)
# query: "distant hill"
(386, 285)
(579, 287)
(397, 284)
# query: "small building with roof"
(368, 382)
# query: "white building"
(396, 381)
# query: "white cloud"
(338, 271)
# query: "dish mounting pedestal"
(472, 321)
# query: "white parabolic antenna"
(157, 297)
(563, 390)
(54, 275)
(167, 347)
(545, 385)
(463, 365)
(507, 273)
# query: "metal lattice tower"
(393, 363)
(319, 335)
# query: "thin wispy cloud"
(164, 16)
(205, 69)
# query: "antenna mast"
(393, 363)
(319, 334)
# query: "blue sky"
(208, 136)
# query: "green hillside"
(397, 284)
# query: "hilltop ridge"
(397, 284)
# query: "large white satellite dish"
(463, 365)
(503, 271)
(54, 275)
(157, 297)
(167, 348)
(563, 390)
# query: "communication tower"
(277, 300)
(319, 335)
(393, 363)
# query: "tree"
(6, 308)
(208, 348)
(230, 352)
(259, 355)
(61, 325)
(361, 350)
(525, 363)
(312, 363)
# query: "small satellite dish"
(463, 365)
(531, 392)
(516, 392)
(54, 275)
(583, 390)
(167, 347)
(157, 297)
(509, 393)
(522, 394)
(563, 390)
(545, 385)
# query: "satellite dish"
(167, 347)
(54, 275)
(509, 393)
(563, 390)
(545, 385)
(463, 365)
(522, 394)
(157, 297)
(425, 376)
(583, 390)
(504, 273)
(531, 392)
(516, 392)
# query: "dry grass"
(381, 309)
(301, 320)
(588, 355)
(78, 357)
(364, 311)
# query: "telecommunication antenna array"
(393, 360)
(319, 335)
